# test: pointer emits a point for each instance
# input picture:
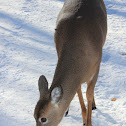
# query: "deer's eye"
(43, 120)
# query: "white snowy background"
(27, 51)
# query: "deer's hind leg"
(83, 108)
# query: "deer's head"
(48, 111)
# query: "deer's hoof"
(66, 113)
(94, 107)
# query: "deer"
(80, 34)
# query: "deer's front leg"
(90, 98)
(83, 108)
(93, 104)
(89, 94)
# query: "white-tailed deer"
(79, 37)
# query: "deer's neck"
(68, 75)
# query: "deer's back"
(81, 28)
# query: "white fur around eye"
(43, 122)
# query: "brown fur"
(79, 37)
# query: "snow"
(27, 51)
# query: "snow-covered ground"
(27, 51)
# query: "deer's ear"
(56, 95)
(43, 85)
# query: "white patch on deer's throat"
(91, 78)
